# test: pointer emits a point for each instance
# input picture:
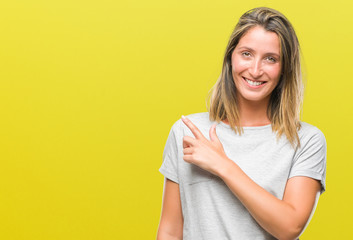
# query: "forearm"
(166, 236)
(274, 215)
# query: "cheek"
(238, 66)
(274, 72)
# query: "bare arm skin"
(171, 223)
(284, 219)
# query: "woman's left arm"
(284, 219)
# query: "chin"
(252, 98)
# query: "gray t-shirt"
(210, 210)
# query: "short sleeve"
(310, 158)
(169, 166)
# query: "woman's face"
(256, 66)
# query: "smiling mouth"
(254, 83)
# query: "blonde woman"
(248, 168)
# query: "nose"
(255, 69)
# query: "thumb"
(213, 134)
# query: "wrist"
(226, 168)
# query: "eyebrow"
(269, 53)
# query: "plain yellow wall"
(90, 89)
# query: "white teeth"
(252, 82)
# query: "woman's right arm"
(171, 222)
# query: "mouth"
(254, 83)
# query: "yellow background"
(90, 89)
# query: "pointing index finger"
(197, 133)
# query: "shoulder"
(308, 131)
(311, 137)
(199, 119)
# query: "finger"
(197, 133)
(188, 158)
(187, 151)
(188, 141)
(213, 134)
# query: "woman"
(260, 175)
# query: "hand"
(209, 155)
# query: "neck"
(253, 113)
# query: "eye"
(245, 54)
(271, 59)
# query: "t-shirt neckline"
(248, 127)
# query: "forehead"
(260, 40)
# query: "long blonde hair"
(286, 99)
